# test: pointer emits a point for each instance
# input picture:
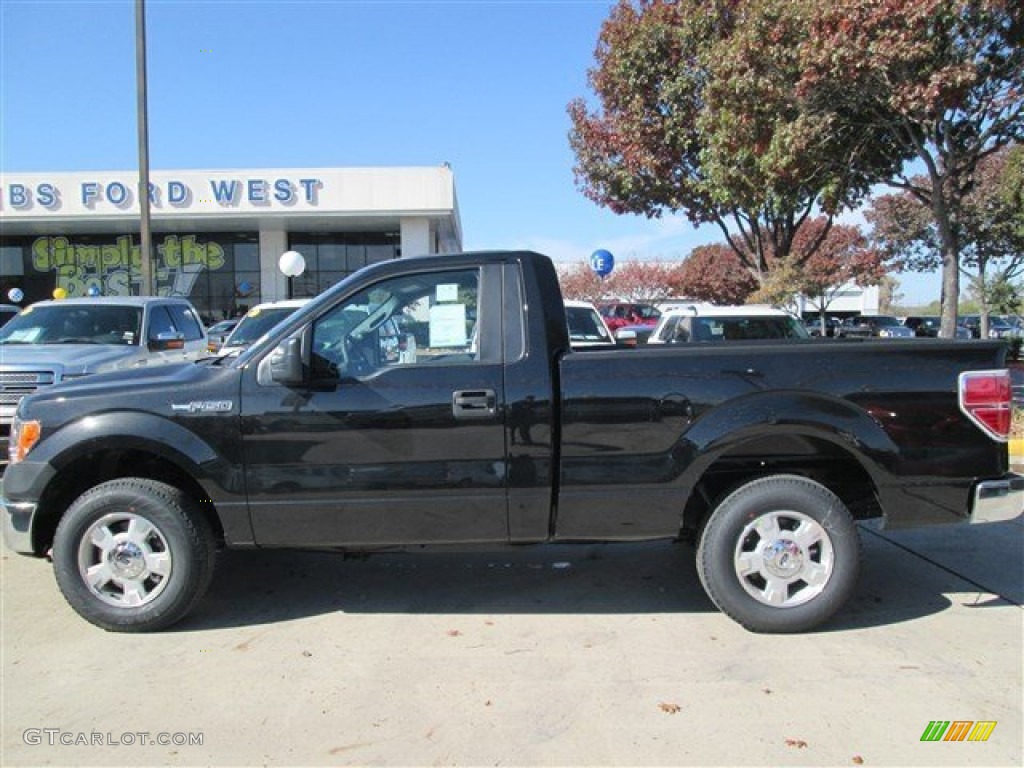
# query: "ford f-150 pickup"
(437, 401)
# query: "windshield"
(585, 325)
(883, 320)
(749, 328)
(74, 324)
(255, 324)
(223, 326)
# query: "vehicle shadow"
(251, 588)
(897, 584)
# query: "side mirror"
(626, 338)
(286, 362)
(167, 340)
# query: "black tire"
(796, 571)
(133, 555)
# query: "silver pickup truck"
(54, 341)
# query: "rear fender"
(726, 428)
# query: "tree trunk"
(950, 251)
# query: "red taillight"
(985, 396)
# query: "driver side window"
(417, 319)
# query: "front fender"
(38, 478)
(127, 430)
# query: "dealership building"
(217, 236)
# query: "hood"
(138, 388)
(70, 358)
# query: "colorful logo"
(958, 730)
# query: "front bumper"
(995, 501)
(18, 518)
(21, 488)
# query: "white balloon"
(292, 263)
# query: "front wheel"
(779, 554)
(133, 555)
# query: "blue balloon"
(94, 290)
(602, 262)
(15, 295)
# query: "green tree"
(944, 79)
(697, 112)
(990, 232)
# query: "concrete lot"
(593, 655)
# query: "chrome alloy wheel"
(784, 559)
(124, 560)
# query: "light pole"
(292, 264)
(146, 266)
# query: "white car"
(586, 326)
(256, 322)
(704, 322)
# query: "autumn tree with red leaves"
(714, 273)
(581, 283)
(845, 256)
(697, 112)
(647, 282)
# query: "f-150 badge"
(203, 406)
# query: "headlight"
(24, 435)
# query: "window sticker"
(26, 335)
(447, 292)
(448, 325)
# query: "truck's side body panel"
(640, 429)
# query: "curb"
(1017, 450)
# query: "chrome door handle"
(474, 404)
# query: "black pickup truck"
(436, 401)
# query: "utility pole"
(146, 266)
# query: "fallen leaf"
(857, 760)
(454, 633)
(798, 743)
(670, 709)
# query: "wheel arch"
(824, 439)
(111, 446)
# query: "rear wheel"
(779, 554)
(133, 555)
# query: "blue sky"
(479, 84)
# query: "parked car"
(219, 331)
(633, 335)
(813, 325)
(256, 322)
(927, 326)
(999, 327)
(586, 326)
(7, 311)
(731, 323)
(873, 326)
(619, 314)
(53, 341)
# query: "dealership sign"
(97, 195)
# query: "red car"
(619, 314)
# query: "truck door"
(397, 433)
